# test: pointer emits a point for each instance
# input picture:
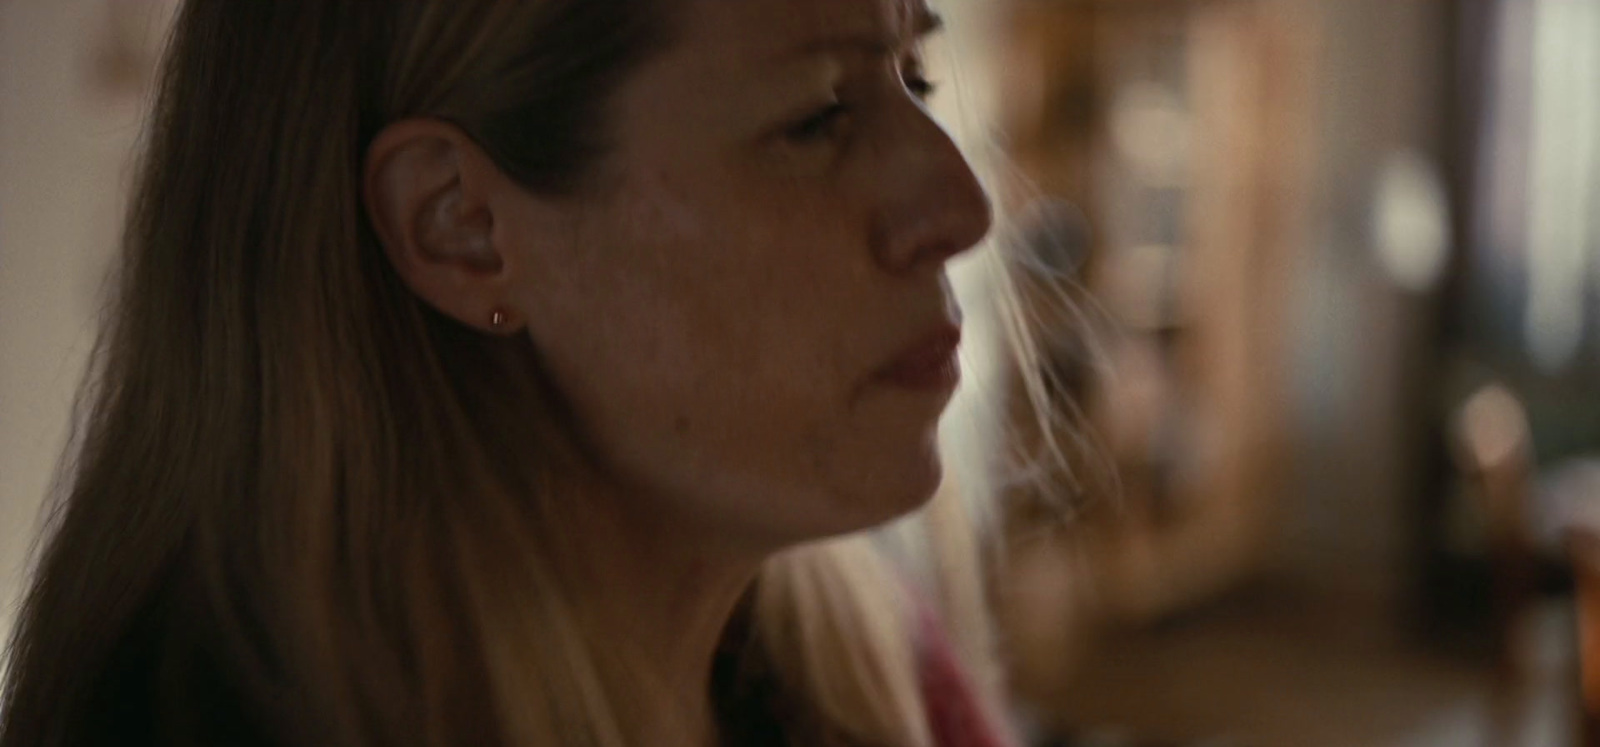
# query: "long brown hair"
(267, 503)
(304, 507)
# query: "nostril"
(933, 234)
(969, 222)
(983, 223)
(938, 254)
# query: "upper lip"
(931, 349)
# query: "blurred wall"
(65, 135)
(1382, 81)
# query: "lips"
(928, 364)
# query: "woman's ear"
(427, 189)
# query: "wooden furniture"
(1181, 131)
(1175, 135)
(1494, 455)
(1584, 543)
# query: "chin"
(883, 495)
(856, 490)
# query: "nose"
(935, 208)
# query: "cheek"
(725, 294)
(714, 350)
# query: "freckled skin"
(717, 307)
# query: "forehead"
(733, 64)
(757, 30)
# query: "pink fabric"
(954, 713)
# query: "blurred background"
(1335, 353)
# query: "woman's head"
(716, 294)
(714, 231)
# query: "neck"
(657, 592)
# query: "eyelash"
(919, 86)
(821, 125)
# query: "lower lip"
(932, 376)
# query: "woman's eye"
(921, 87)
(823, 125)
(914, 75)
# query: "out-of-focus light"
(1152, 131)
(1411, 222)
(1493, 426)
(1565, 176)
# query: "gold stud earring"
(497, 319)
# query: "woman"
(491, 372)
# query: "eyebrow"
(924, 24)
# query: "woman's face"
(749, 314)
